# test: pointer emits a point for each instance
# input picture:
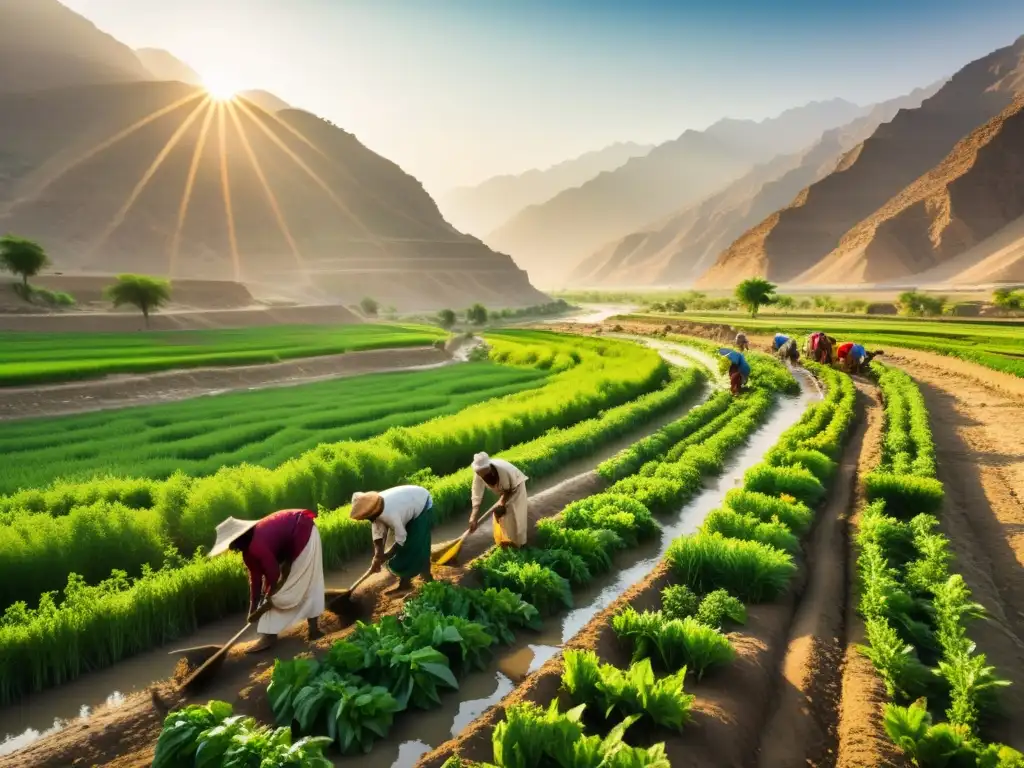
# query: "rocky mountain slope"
(153, 177)
(679, 249)
(550, 238)
(44, 44)
(163, 65)
(483, 207)
(976, 191)
(793, 240)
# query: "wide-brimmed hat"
(366, 505)
(481, 461)
(227, 532)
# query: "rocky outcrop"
(976, 191)
(795, 239)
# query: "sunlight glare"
(220, 88)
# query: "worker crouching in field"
(854, 358)
(509, 483)
(402, 519)
(786, 348)
(819, 348)
(741, 342)
(286, 568)
(739, 369)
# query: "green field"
(997, 344)
(37, 358)
(265, 427)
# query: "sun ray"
(168, 147)
(246, 103)
(225, 186)
(51, 177)
(271, 197)
(314, 176)
(186, 195)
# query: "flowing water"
(413, 736)
(50, 711)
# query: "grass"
(996, 344)
(38, 358)
(264, 428)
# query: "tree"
(22, 257)
(918, 304)
(477, 314)
(785, 302)
(1007, 298)
(755, 292)
(446, 318)
(141, 291)
(369, 307)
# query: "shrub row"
(916, 611)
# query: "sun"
(220, 88)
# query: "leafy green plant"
(679, 601)
(795, 481)
(673, 643)
(287, 679)
(627, 517)
(635, 691)
(719, 606)
(736, 526)
(466, 644)
(595, 547)
(942, 745)
(539, 586)
(500, 611)
(793, 514)
(752, 571)
(182, 728)
(570, 566)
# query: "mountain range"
(116, 168)
(483, 207)
(548, 239)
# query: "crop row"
(916, 610)
(262, 427)
(714, 571)
(94, 627)
(36, 358)
(405, 662)
(93, 526)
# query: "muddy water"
(414, 736)
(50, 711)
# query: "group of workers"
(820, 347)
(283, 553)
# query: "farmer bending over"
(739, 369)
(786, 348)
(282, 552)
(509, 484)
(402, 517)
(741, 342)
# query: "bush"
(674, 644)
(749, 528)
(679, 601)
(752, 571)
(905, 495)
(797, 482)
(719, 606)
(793, 514)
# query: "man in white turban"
(509, 483)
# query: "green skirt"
(413, 557)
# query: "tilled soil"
(773, 688)
(126, 735)
(978, 426)
(120, 391)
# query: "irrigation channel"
(52, 710)
(413, 737)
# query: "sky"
(456, 91)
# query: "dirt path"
(861, 739)
(168, 386)
(978, 427)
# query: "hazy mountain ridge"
(548, 239)
(679, 249)
(792, 241)
(483, 207)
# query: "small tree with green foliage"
(369, 307)
(1007, 298)
(785, 302)
(754, 293)
(143, 292)
(477, 314)
(22, 257)
(446, 319)
(921, 304)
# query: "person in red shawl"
(286, 570)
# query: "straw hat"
(481, 461)
(227, 532)
(366, 505)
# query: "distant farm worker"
(741, 342)
(786, 348)
(739, 369)
(819, 348)
(854, 358)
(509, 483)
(286, 568)
(402, 519)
